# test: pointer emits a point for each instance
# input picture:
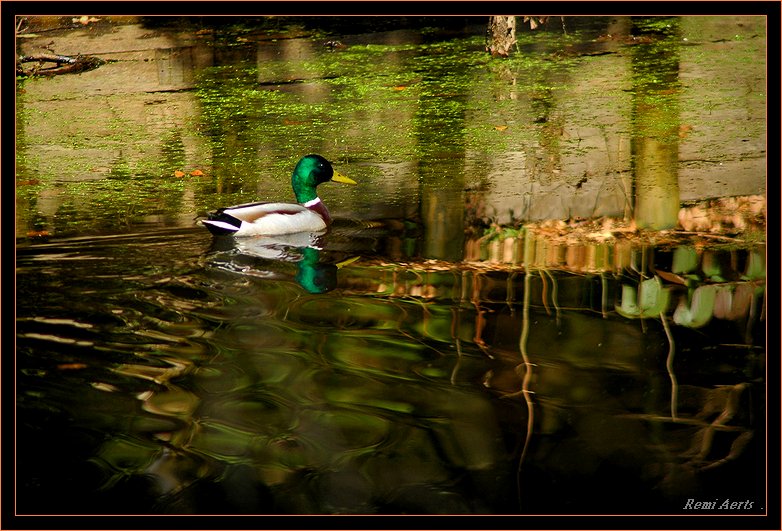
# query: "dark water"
(157, 374)
(426, 356)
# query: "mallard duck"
(308, 215)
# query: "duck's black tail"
(222, 224)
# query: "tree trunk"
(501, 35)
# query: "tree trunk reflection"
(655, 141)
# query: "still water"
(417, 358)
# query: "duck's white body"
(254, 219)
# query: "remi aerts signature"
(717, 505)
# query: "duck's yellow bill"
(338, 177)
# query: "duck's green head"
(311, 171)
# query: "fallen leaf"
(178, 173)
(400, 87)
(196, 173)
(671, 277)
(500, 127)
(684, 130)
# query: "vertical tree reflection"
(655, 139)
(439, 129)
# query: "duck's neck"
(305, 194)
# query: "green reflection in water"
(656, 124)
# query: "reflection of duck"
(284, 247)
(309, 215)
(303, 249)
(314, 276)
